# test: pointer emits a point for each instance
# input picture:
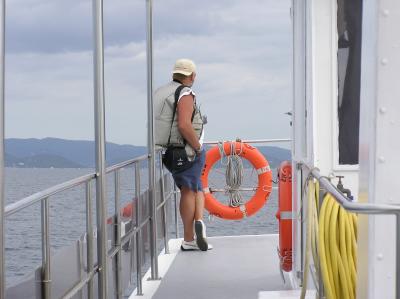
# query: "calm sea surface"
(67, 213)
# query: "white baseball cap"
(184, 66)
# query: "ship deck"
(238, 267)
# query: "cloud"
(242, 49)
(63, 25)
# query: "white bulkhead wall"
(379, 128)
(379, 146)
(315, 102)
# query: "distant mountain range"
(61, 153)
(275, 155)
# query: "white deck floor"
(237, 267)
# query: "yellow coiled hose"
(332, 238)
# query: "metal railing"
(135, 231)
(279, 140)
(118, 242)
(359, 208)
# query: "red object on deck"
(285, 215)
(126, 212)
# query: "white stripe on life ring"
(263, 170)
(243, 210)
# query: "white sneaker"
(192, 245)
(201, 238)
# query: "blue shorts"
(190, 178)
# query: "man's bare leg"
(187, 208)
(198, 215)
(199, 225)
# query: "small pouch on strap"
(175, 159)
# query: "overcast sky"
(242, 50)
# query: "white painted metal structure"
(315, 130)
(299, 144)
(100, 140)
(379, 146)
(315, 100)
(150, 134)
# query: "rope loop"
(233, 173)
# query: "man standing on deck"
(185, 128)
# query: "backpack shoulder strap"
(177, 93)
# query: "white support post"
(299, 145)
(100, 150)
(150, 141)
(2, 198)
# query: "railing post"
(132, 241)
(138, 212)
(165, 222)
(150, 141)
(79, 252)
(99, 119)
(2, 86)
(302, 234)
(321, 289)
(46, 275)
(117, 235)
(397, 255)
(89, 237)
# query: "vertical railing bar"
(80, 265)
(164, 214)
(117, 235)
(397, 255)
(301, 229)
(2, 198)
(99, 123)
(132, 248)
(321, 289)
(176, 211)
(89, 237)
(150, 141)
(138, 212)
(46, 275)
(132, 241)
(132, 251)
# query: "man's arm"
(185, 111)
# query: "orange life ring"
(284, 215)
(126, 212)
(258, 161)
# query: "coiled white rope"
(233, 174)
